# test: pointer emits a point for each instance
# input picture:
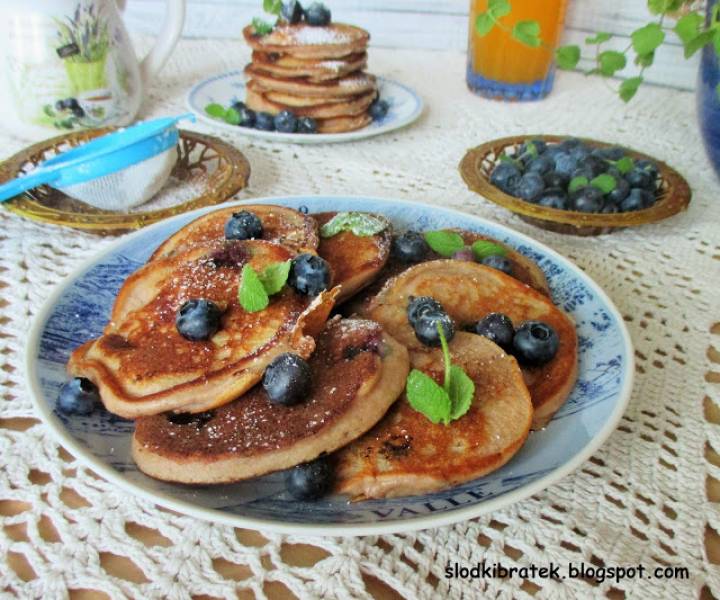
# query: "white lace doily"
(642, 499)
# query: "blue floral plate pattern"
(405, 107)
(78, 310)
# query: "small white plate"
(405, 107)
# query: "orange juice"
(497, 58)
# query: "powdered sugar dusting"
(312, 36)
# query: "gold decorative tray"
(477, 164)
(208, 171)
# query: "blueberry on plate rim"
(306, 125)
(264, 121)
(286, 122)
(198, 320)
(287, 379)
(311, 480)
(78, 396)
(379, 109)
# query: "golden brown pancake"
(306, 41)
(316, 70)
(350, 85)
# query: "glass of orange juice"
(504, 68)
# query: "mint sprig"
(261, 27)
(605, 183)
(274, 276)
(360, 224)
(256, 288)
(445, 243)
(218, 111)
(441, 404)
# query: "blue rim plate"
(78, 310)
(405, 107)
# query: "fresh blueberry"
(530, 187)
(309, 274)
(497, 327)
(310, 481)
(306, 125)
(317, 14)
(597, 165)
(243, 225)
(541, 165)
(535, 343)
(539, 145)
(622, 189)
(78, 396)
(292, 12)
(465, 254)
(564, 163)
(585, 171)
(72, 103)
(554, 150)
(614, 172)
(609, 208)
(426, 327)
(647, 166)
(287, 379)
(569, 144)
(580, 153)
(410, 247)
(264, 121)
(638, 178)
(286, 122)
(378, 109)
(238, 106)
(589, 200)
(498, 262)
(419, 305)
(553, 198)
(505, 176)
(198, 320)
(556, 180)
(613, 153)
(637, 199)
(247, 117)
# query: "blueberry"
(465, 254)
(556, 180)
(311, 480)
(597, 165)
(410, 247)
(78, 112)
(553, 198)
(530, 187)
(613, 153)
(584, 171)
(535, 343)
(309, 274)
(77, 397)
(554, 150)
(238, 106)
(505, 176)
(317, 14)
(540, 147)
(647, 166)
(198, 320)
(637, 199)
(496, 327)
(72, 103)
(580, 152)
(564, 163)
(498, 262)
(243, 225)
(264, 121)
(570, 143)
(609, 208)
(638, 178)
(541, 165)
(306, 125)
(420, 305)
(589, 200)
(247, 117)
(286, 122)
(292, 11)
(287, 379)
(622, 189)
(378, 109)
(426, 327)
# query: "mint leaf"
(232, 116)
(261, 27)
(598, 38)
(252, 294)
(531, 149)
(688, 26)
(274, 276)
(272, 6)
(216, 111)
(605, 183)
(427, 397)
(629, 88)
(499, 8)
(484, 23)
(576, 183)
(509, 159)
(645, 60)
(567, 57)
(445, 243)
(461, 390)
(625, 164)
(647, 39)
(484, 248)
(527, 32)
(611, 61)
(361, 224)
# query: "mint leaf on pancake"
(427, 397)
(461, 390)
(252, 295)
(445, 243)
(360, 224)
(274, 276)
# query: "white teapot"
(69, 64)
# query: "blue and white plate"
(78, 310)
(405, 107)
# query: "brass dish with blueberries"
(575, 186)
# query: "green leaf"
(509, 159)
(567, 57)
(576, 183)
(688, 26)
(232, 116)
(645, 60)
(274, 276)
(598, 38)
(499, 8)
(611, 61)
(484, 23)
(427, 397)
(252, 294)
(447, 361)
(629, 88)
(531, 149)
(625, 164)
(261, 27)
(698, 42)
(484, 248)
(605, 183)
(461, 390)
(716, 42)
(646, 39)
(445, 243)
(527, 32)
(272, 6)
(217, 111)
(361, 224)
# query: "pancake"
(350, 85)
(292, 101)
(358, 371)
(282, 225)
(336, 40)
(407, 454)
(468, 291)
(315, 70)
(143, 366)
(343, 124)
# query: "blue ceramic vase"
(708, 99)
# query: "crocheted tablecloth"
(645, 498)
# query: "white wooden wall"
(429, 24)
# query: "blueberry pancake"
(336, 40)
(357, 372)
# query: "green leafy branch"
(690, 28)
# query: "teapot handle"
(166, 41)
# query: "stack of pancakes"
(312, 71)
